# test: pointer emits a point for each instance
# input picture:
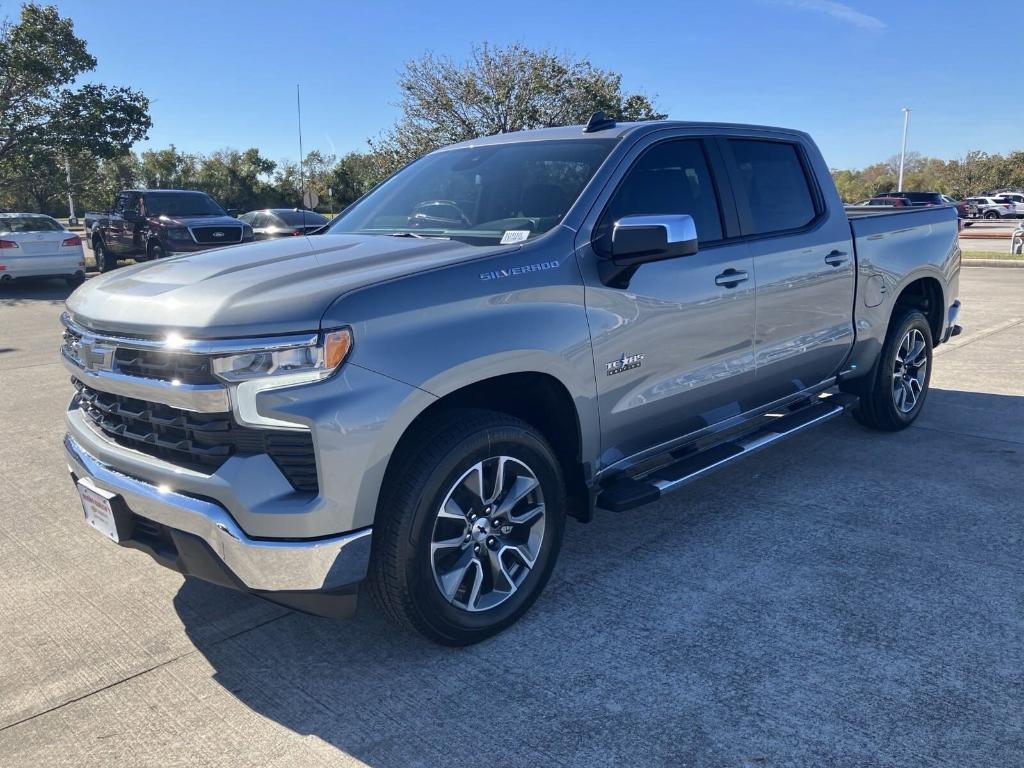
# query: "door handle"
(835, 258)
(731, 278)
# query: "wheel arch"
(538, 398)
(924, 294)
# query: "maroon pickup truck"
(152, 223)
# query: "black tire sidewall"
(884, 399)
(100, 255)
(448, 622)
(157, 251)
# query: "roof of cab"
(617, 131)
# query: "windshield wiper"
(418, 236)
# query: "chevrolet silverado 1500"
(506, 333)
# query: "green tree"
(40, 109)
(498, 90)
(237, 179)
(167, 169)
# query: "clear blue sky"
(223, 73)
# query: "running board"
(629, 492)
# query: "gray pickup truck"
(506, 333)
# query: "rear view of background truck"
(507, 333)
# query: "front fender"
(449, 328)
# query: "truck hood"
(197, 221)
(255, 289)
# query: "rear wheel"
(156, 251)
(104, 261)
(991, 215)
(892, 396)
(468, 528)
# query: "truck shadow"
(717, 626)
(34, 290)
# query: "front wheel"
(469, 527)
(156, 251)
(991, 215)
(104, 261)
(892, 396)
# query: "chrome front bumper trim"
(265, 566)
(173, 343)
(200, 398)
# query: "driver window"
(131, 206)
(669, 178)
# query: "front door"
(673, 351)
(116, 226)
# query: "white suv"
(1015, 199)
(991, 208)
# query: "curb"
(1006, 263)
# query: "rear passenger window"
(776, 187)
(669, 178)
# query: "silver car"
(33, 245)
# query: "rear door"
(803, 263)
(673, 351)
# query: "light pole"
(903, 151)
(72, 219)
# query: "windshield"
(182, 204)
(29, 224)
(501, 193)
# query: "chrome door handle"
(731, 278)
(835, 258)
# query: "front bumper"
(199, 538)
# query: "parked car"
(1015, 200)
(893, 202)
(33, 245)
(146, 224)
(410, 397)
(919, 198)
(991, 208)
(271, 223)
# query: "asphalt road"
(849, 599)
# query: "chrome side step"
(629, 492)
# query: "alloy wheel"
(487, 534)
(910, 370)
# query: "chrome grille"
(179, 367)
(217, 235)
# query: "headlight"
(289, 366)
(178, 233)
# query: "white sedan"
(33, 245)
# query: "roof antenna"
(302, 158)
(599, 122)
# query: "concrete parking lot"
(849, 599)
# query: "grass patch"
(1002, 255)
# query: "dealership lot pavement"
(848, 599)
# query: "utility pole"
(72, 219)
(903, 151)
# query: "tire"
(894, 393)
(156, 251)
(104, 261)
(424, 574)
(991, 215)
(75, 280)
